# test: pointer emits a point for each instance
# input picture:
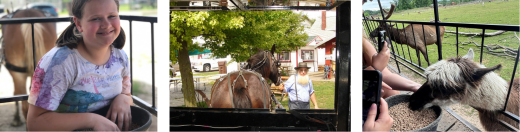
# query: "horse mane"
(265, 68)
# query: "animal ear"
(469, 55)
(259, 50)
(478, 73)
(273, 49)
(392, 25)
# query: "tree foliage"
(184, 26)
(262, 29)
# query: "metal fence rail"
(149, 107)
(372, 24)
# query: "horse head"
(266, 64)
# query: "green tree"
(262, 29)
(421, 3)
(234, 33)
(186, 25)
(444, 2)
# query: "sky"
(373, 5)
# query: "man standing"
(300, 89)
(327, 70)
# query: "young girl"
(87, 71)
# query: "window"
(308, 55)
(284, 56)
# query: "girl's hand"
(383, 123)
(103, 124)
(120, 110)
(379, 61)
(385, 86)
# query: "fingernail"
(373, 106)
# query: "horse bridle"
(8, 65)
(262, 63)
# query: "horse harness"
(251, 69)
(240, 74)
(8, 65)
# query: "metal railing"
(149, 107)
(182, 118)
(371, 24)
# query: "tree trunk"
(188, 89)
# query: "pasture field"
(497, 12)
(324, 92)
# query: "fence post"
(437, 28)
(343, 55)
(33, 48)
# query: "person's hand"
(385, 86)
(316, 107)
(120, 110)
(383, 123)
(380, 60)
(103, 124)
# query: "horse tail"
(241, 97)
(38, 44)
(208, 102)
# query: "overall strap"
(230, 91)
(296, 87)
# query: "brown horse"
(248, 87)
(17, 50)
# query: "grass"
(324, 92)
(498, 12)
(144, 7)
(63, 12)
(136, 88)
(202, 74)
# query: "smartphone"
(372, 80)
(380, 41)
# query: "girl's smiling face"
(99, 24)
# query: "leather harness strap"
(12, 67)
(230, 91)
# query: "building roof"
(330, 30)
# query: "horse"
(17, 51)
(247, 88)
(460, 80)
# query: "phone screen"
(371, 91)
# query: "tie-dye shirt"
(66, 82)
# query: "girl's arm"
(120, 107)
(372, 58)
(39, 119)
